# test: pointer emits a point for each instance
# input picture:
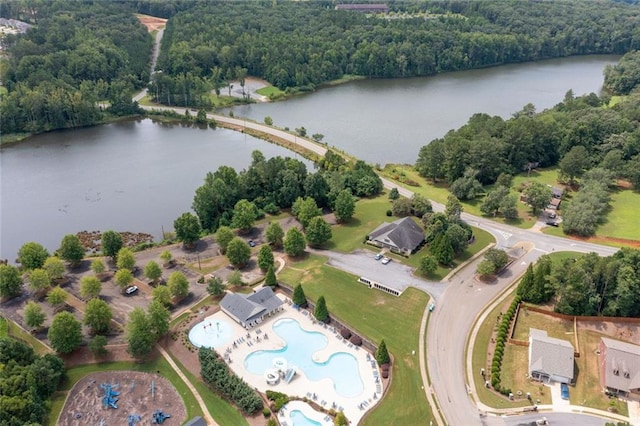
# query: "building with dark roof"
(620, 367)
(196, 421)
(550, 359)
(250, 310)
(403, 236)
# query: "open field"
(622, 219)
(369, 213)
(376, 316)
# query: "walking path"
(207, 417)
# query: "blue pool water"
(211, 334)
(300, 345)
(299, 419)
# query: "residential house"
(550, 359)
(403, 236)
(554, 204)
(196, 421)
(249, 310)
(620, 367)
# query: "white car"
(385, 260)
(131, 290)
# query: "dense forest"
(277, 183)
(303, 44)
(587, 285)
(27, 382)
(75, 55)
(592, 140)
(80, 53)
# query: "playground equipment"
(159, 417)
(132, 419)
(110, 395)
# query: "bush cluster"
(279, 399)
(216, 374)
(498, 353)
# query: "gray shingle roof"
(244, 308)
(404, 234)
(196, 421)
(623, 358)
(549, 355)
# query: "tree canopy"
(65, 333)
(187, 228)
(32, 255)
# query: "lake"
(139, 176)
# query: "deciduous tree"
(54, 267)
(97, 316)
(126, 259)
(32, 255)
(152, 271)
(34, 316)
(178, 285)
(10, 281)
(139, 334)
(39, 280)
(111, 244)
(538, 196)
(56, 297)
(238, 252)
(187, 228)
(428, 265)
(305, 209)
(65, 333)
(245, 214)
(71, 249)
(344, 206)
(223, 237)
(97, 345)
(123, 278)
(265, 258)
(162, 295)
(294, 243)
(318, 231)
(97, 266)
(90, 287)
(215, 287)
(274, 235)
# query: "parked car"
(552, 223)
(131, 290)
(552, 216)
(378, 256)
(564, 391)
(432, 306)
(252, 243)
(385, 260)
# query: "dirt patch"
(605, 240)
(151, 22)
(84, 405)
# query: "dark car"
(552, 223)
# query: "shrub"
(266, 412)
(385, 374)
(356, 340)
(345, 333)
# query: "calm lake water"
(387, 121)
(140, 176)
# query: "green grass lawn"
(11, 329)
(272, 92)
(622, 220)
(158, 364)
(376, 316)
(370, 212)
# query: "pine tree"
(299, 297)
(382, 355)
(270, 279)
(321, 313)
(526, 288)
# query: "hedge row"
(503, 331)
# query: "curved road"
(462, 301)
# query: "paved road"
(462, 300)
(564, 419)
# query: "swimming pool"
(300, 345)
(299, 419)
(211, 333)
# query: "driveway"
(559, 404)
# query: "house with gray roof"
(196, 421)
(250, 310)
(550, 359)
(620, 367)
(403, 236)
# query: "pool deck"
(321, 392)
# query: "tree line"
(75, 55)
(300, 45)
(587, 285)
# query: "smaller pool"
(211, 333)
(299, 419)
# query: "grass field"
(157, 364)
(272, 92)
(376, 316)
(622, 220)
(11, 329)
